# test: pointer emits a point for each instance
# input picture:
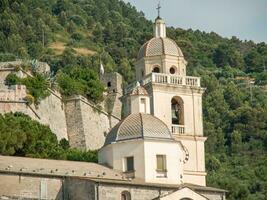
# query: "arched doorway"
(177, 111)
(125, 195)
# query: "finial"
(158, 8)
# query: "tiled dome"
(139, 90)
(138, 125)
(158, 46)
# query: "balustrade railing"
(172, 79)
(167, 79)
(178, 129)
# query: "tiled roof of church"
(138, 125)
(159, 46)
(56, 168)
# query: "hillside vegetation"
(22, 136)
(72, 35)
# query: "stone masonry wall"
(79, 189)
(27, 187)
(49, 112)
(113, 192)
(113, 85)
(75, 124)
(87, 123)
(77, 120)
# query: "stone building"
(76, 119)
(156, 152)
(28, 178)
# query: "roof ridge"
(146, 45)
(119, 127)
(142, 125)
(163, 46)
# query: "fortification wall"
(49, 112)
(14, 92)
(74, 122)
(80, 121)
(87, 124)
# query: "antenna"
(158, 8)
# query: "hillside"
(72, 35)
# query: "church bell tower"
(175, 98)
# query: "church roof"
(138, 125)
(158, 46)
(56, 168)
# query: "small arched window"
(125, 195)
(156, 69)
(177, 109)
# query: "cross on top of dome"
(158, 8)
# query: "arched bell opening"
(177, 111)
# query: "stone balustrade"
(166, 79)
(172, 80)
(178, 129)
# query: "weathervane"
(158, 8)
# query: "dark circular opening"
(172, 70)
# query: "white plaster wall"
(195, 147)
(161, 104)
(194, 168)
(183, 193)
(198, 114)
(195, 178)
(105, 156)
(165, 62)
(144, 153)
(136, 104)
(174, 159)
(133, 148)
(114, 155)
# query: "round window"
(172, 70)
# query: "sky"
(245, 19)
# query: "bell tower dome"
(160, 54)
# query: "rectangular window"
(130, 164)
(143, 105)
(161, 163)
